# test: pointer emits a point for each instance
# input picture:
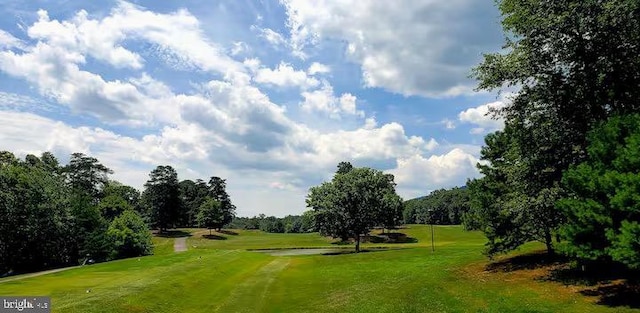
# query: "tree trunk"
(209, 231)
(548, 241)
(357, 243)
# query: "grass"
(219, 275)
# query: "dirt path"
(19, 277)
(180, 244)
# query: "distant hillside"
(443, 206)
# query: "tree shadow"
(351, 251)
(228, 232)
(614, 285)
(389, 238)
(214, 237)
(616, 295)
(527, 261)
(174, 233)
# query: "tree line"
(289, 224)
(54, 215)
(440, 207)
(564, 170)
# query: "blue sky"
(270, 95)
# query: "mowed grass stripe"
(219, 276)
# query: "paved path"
(180, 244)
(19, 277)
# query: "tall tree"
(162, 195)
(87, 175)
(218, 192)
(575, 63)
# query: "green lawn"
(221, 276)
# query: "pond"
(313, 251)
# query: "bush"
(130, 235)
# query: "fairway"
(221, 275)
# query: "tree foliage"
(130, 235)
(162, 196)
(575, 64)
(603, 209)
(441, 207)
(47, 220)
(210, 215)
(354, 202)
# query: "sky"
(270, 95)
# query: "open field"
(219, 275)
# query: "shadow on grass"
(352, 251)
(613, 285)
(214, 237)
(525, 262)
(228, 232)
(173, 234)
(389, 238)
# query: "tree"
(571, 74)
(35, 219)
(352, 203)
(192, 195)
(162, 195)
(603, 209)
(130, 235)
(210, 215)
(344, 167)
(218, 192)
(112, 206)
(87, 175)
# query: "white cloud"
(417, 174)
(481, 117)
(410, 47)
(270, 35)
(318, 68)
(323, 100)
(238, 48)
(226, 126)
(177, 36)
(285, 76)
(9, 41)
(449, 124)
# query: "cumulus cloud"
(324, 101)
(417, 174)
(285, 76)
(481, 117)
(226, 126)
(318, 68)
(409, 47)
(9, 41)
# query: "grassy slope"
(215, 278)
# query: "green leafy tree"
(352, 203)
(87, 175)
(130, 235)
(211, 215)
(112, 206)
(603, 209)
(218, 192)
(571, 74)
(192, 195)
(162, 196)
